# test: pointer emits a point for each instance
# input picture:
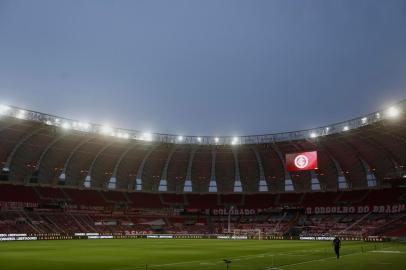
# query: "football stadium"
(98, 197)
(202, 135)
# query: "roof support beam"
(237, 177)
(263, 185)
(29, 135)
(140, 171)
(188, 180)
(213, 181)
(66, 165)
(43, 154)
(288, 176)
(91, 167)
(163, 183)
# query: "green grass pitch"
(171, 254)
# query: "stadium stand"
(55, 181)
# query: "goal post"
(251, 233)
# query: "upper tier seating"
(49, 193)
(171, 199)
(11, 193)
(85, 197)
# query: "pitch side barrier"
(93, 236)
(345, 238)
(16, 237)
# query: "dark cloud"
(203, 67)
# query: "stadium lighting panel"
(21, 114)
(393, 112)
(66, 125)
(84, 126)
(4, 109)
(146, 137)
(122, 135)
(106, 129)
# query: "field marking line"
(387, 251)
(220, 260)
(215, 261)
(317, 260)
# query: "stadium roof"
(65, 123)
(37, 148)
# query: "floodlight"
(84, 126)
(21, 114)
(180, 138)
(4, 109)
(216, 140)
(106, 129)
(234, 141)
(378, 115)
(199, 139)
(313, 135)
(346, 128)
(66, 125)
(146, 137)
(364, 120)
(392, 112)
(48, 122)
(122, 135)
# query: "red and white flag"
(301, 161)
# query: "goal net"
(250, 233)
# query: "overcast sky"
(210, 67)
